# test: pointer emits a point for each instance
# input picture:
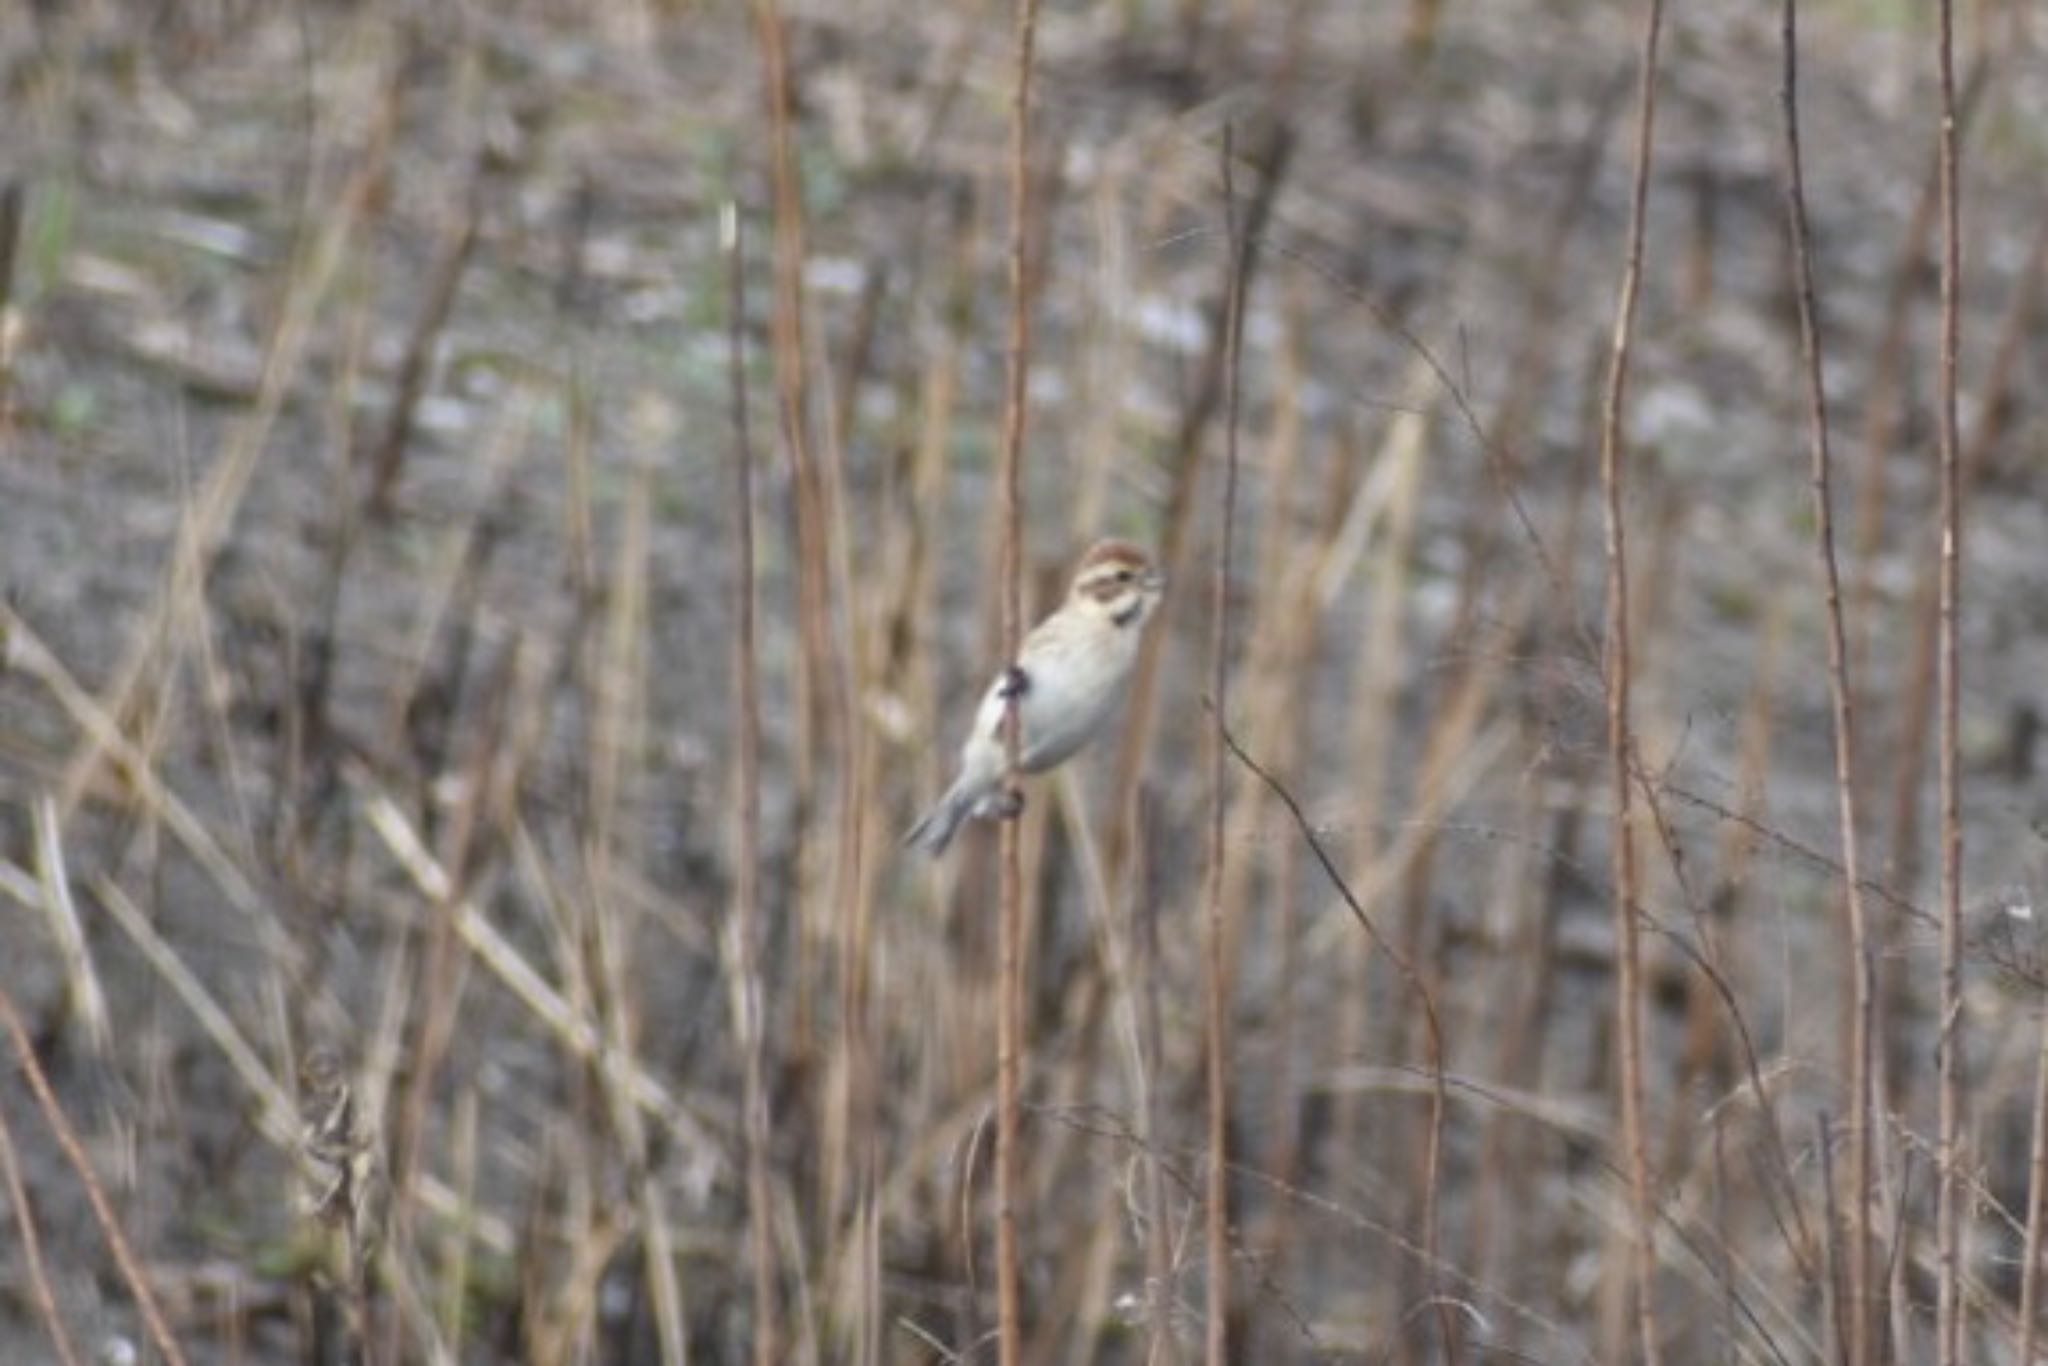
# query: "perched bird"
(1068, 675)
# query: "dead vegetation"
(503, 508)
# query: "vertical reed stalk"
(1010, 996)
(1841, 695)
(1628, 985)
(1217, 1004)
(814, 666)
(855, 1078)
(1887, 387)
(1949, 1311)
(748, 999)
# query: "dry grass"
(502, 512)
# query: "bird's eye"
(1123, 576)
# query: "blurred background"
(370, 740)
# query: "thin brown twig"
(1786, 844)
(1798, 1238)
(1628, 984)
(1885, 407)
(1010, 998)
(1500, 462)
(1500, 466)
(132, 1273)
(1217, 998)
(1841, 695)
(1432, 1021)
(32, 1250)
(1563, 1120)
(1949, 1306)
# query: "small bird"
(1067, 678)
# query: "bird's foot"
(1007, 804)
(1015, 683)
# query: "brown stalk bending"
(1628, 986)
(1217, 997)
(132, 1274)
(1948, 1061)
(40, 1293)
(748, 999)
(1010, 998)
(1842, 698)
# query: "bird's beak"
(1154, 581)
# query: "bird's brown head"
(1117, 580)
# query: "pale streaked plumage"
(1073, 666)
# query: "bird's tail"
(936, 828)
